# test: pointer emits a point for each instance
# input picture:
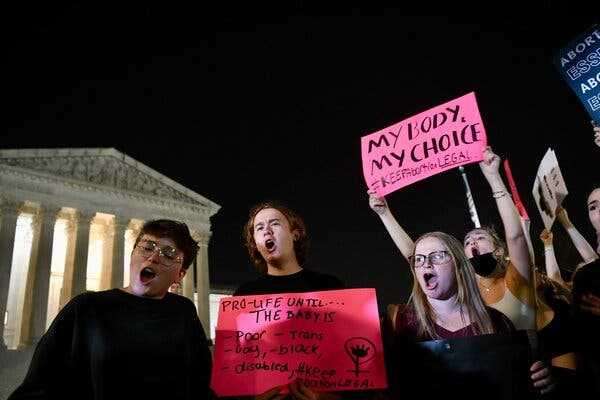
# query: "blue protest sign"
(579, 65)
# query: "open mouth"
(430, 280)
(474, 251)
(146, 275)
(270, 244)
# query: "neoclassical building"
(67, 224)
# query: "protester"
(445, 302)
(135, 342)
(277, 242)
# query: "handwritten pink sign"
(436, 140)
(329, 340)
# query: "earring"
(175, 286)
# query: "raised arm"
(552, 269)
(404, 243)
(583, 246)
(515, 238)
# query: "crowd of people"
(143, 341)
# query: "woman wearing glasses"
(136, 342)
(445, 302)
(503, 269)
(504, 285)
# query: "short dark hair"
(176, 231)
(296, 224)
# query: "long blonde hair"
(469, 299)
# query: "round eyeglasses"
(435, 257)
(167, 255)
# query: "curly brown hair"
(296, 225)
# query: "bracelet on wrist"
(498, 194)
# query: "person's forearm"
(402, 240)
(552, 269)
(583, 246)
(516, 242)
(506, 209)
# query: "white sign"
(549, 188)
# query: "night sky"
(246, 104)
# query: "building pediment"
(106, 168)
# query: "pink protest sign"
(436, 140)
(329, 340)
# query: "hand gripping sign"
(436, 140)
(329, 340)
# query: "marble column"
(67, 274)
(82, 244)
(8, 228)
(187, 286)
(41, 262)
(25, 293)
(202, 279)
(120, 225)
(132, 232)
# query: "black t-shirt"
(303, 281)
(112, 344)
(557, 337)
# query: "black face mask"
(484, 264)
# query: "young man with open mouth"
(135, 342)
(277, 242)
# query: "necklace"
(487, 288)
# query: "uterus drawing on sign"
(361, 351)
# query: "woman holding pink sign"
(503, 284)
(445, 304)
(503, 269)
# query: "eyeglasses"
(167, 255)
(435, 257)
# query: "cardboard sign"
(330, 341)
(436, 140)
(549, 188)
(579, 65)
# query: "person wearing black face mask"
(501, 284)
(504, 270)
(484, 264)
(505, 277)
(504, 285)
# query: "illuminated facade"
(68, 220)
